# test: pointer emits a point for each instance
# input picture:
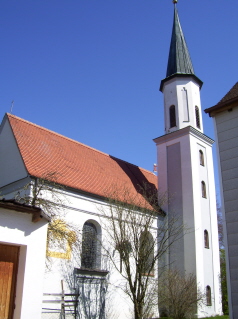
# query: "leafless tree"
(220, 226)
(223, 279)
(179, 294)
(137, 237)
(46, 193)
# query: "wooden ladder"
(66, 301)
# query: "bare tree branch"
(141, 234)
(179, 295)
(47, 194)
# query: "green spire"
(179, 61)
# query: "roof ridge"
(53, 132)
(72, 140)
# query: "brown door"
(8, 275)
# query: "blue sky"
(91, 69)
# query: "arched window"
(89, 246)
(146, 254)
(201, 157)
(197, 117)
(172, 116)
(206, 239)
(208, 296)
(204, 193)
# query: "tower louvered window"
(201, 157)
(172, 116)
(204, 192)
(197, 117)
(206, 239)
(208, 296)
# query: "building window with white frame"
(204, 192)
(197, 115)
(172, 116)
(206, 239)
(201, 157)
(208, 296)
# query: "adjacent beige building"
(225, 116)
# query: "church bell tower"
(185, 173)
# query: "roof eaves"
(180, 75)
(221, 106)
(37, 213)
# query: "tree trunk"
(138, 311)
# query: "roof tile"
(76, 165)
(230, 98)
(232, 94)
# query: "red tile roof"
(75, 165)
(228, 99)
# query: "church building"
(29, 152)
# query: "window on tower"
(197, 117)
(208, 296)
(206, 239)
(204, 193)
(172, 116)
(201, 157)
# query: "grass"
(216, 317)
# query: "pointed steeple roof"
(179, 61)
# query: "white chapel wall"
(12, 167)
(77, 210)
(17, 228)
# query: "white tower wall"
(184, 94)
(180, 174)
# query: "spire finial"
(175, 1)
